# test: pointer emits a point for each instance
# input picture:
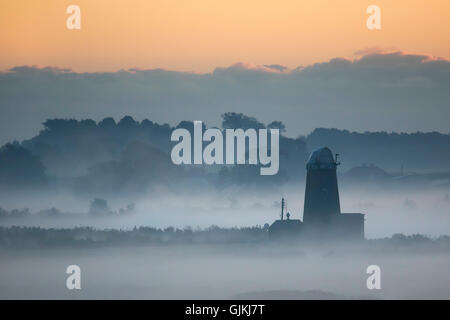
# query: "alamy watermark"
(73, 281)
(374, 20)
(257, 148)
(374, 280)
(73, 22)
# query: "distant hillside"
(426, 152)
(108, 157)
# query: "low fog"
(276, 271)
(386, 211)
(230, 270)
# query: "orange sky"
(198, 35)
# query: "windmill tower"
(321, 193)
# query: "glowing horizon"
(200, 35)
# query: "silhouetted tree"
(99, 207)
(19, 168)
(232, 120)
(277, 125)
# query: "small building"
(285, 227)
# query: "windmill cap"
(321, 158)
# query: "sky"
(307, 63)
(200, 35)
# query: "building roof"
(286, 226)
(352, 215)
(321, 158)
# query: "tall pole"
(282, 208)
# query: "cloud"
(277, 67)
(370, 50)
(392, 91)
(248, 67)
